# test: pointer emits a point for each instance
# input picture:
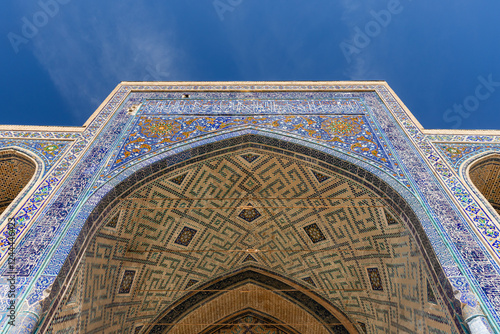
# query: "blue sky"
(61, 58)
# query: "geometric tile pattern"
(356, 239)
(314, 233)
(375, 279)
(185, 236)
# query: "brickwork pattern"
(289, 197)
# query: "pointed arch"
(169, 165)
(484, 174)
(19, 171)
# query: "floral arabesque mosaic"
(458, 153)
(351, 133)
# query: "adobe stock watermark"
(11, 262)
(223, 6)
(363, 37)
(471, 103)
(31, 25)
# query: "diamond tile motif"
(309, 280)
(137, 329)
(431, 298)
(249, 157)
(314, 233)
(249, 258)
(178, 179)
(113, 221)
(363, 326)
(375, 279)
(249, 214)
(127, 280)
(186, 236)
(390, 219)
(190, 283)
(320, 177)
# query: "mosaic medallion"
(309, 280)
(315, 233)
(375, 279)
(343, 127)
(127, 280)
(249, 157)
(159, 128)
(320, 177)
(178, 179)
(249, 214)
(186, 236)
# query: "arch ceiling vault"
(257, 207)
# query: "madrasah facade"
(255, 207)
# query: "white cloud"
(87, 57)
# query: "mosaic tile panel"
(185, 236)
(351, 133)
(249, 214)
(48, 151)
(375, 279)
(456, 154)
(127, 281)
(314, 233)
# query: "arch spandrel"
(362, 256)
